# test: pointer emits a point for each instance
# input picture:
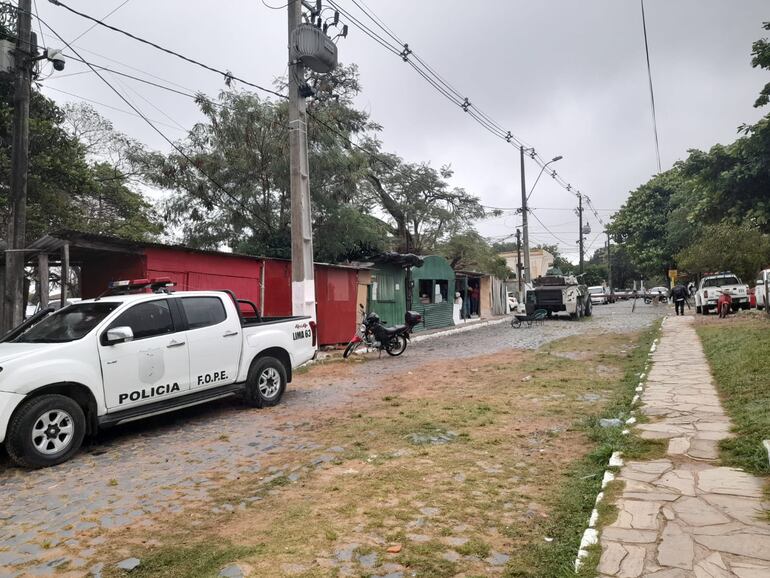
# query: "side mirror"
(119, 335)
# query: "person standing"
(475, 294)
(679, 295)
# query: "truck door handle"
(175, 344)
(229, 334)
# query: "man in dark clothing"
(679, 294)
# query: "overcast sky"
(567, 77)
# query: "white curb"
(591, 535)
(461, 329)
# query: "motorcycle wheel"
(396, 346)
(352, 346)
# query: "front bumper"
(8, 403)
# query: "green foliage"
(423, 209)
(760, 58)
(661, 224)
(470, 251)
(244, 145)
(66, 189)
(725, 246)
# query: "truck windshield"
(719, 281)
(68, 324)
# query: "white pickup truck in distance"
(711, 287)
(118, 358)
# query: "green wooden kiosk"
(387, 292)
(433, 293)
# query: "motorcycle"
(724, 304)
(373, 334)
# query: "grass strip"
(573, 503)
(738, 354)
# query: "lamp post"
(524, 210)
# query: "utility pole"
(17, 225)
(580, 219)
(302, 274)
(518, 264)
(609, 268)
(524, 219)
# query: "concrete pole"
(524, 218)
(519, 265)
(302, 275)
(17, 225)
(609, 268)
(580, 239)
(42, 279)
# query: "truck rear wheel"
(45, 431)
(266, 382)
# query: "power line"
(161, 133)
(652, 92)
(105, 105)
(226, 74)
(442, 86)
(547, 229)
(110, 13)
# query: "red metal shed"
(265, 281)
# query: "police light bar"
(129, 283)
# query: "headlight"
(362, 328)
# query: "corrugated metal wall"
(387, 294)
(434, 315)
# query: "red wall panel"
(204, 272)
(97, 273)
(336, 290)
(277, 289)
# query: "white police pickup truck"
(711, 287)
(122, 357)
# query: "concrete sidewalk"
(684, 515)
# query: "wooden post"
(42, 280)
(65, 272)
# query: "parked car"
(598, 295)
(712, 285)
(763, 282)
(110, 360)
(658, 291)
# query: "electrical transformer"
(313, 48)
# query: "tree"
(231, 185)
(470, 251)
(760, 57)
(559, 262)
(641, 223)
(63, 187)
(423, 209)
(723, 246)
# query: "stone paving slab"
(685, 516)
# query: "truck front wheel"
(45, 431)
(266, 382)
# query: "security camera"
(57, 58)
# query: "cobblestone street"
(134, 474)
(683, 515)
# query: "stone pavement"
(684, 515)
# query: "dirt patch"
(450, 465)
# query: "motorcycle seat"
(395, 329)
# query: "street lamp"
(524, 210)
(553, 160)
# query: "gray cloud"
(568, 77)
